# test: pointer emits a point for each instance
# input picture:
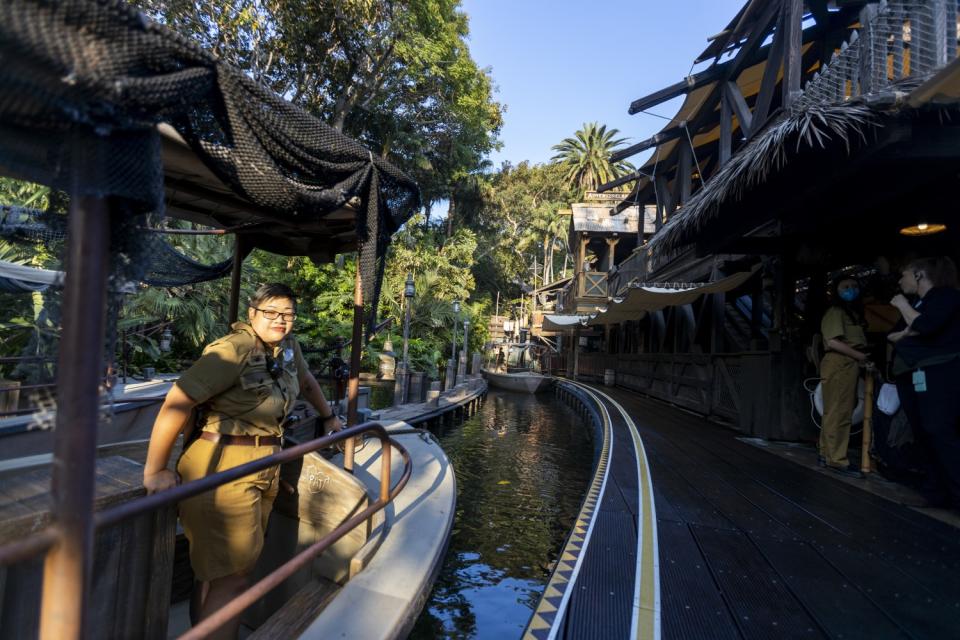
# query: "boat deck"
(753, 546)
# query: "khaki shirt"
(232, 382)
(838, 324)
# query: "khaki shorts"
(225, 526)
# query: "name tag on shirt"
(919, 381)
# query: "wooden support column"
(584, 240)
(665, 202)
(67, 567)
(238, 255)
(611, 252)
(356, 347)
(718, 315)
(726, 132)
(684, 170)
(756, 313)
(771, 72)
(792, 21)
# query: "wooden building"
(823, 138)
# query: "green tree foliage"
(516, 215)
(395, 74)
(586, 157)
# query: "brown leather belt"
(250, 441)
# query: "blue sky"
(562, 63)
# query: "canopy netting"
(164, 266)
(85, 86)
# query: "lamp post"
(464, 351)
(403, 378)
(452, 363)
(166, 338)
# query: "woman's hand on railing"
(160, 481)
(333, 424)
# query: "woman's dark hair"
(940, 270)
(272, 290)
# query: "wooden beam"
(726, 132)
(654, 141)
(731, 93)
(622, 180)
(747, 56)
(684, 171)
(792, 22)
(665, 201)
(761, 107)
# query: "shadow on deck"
(753, 546)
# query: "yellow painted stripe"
(647, 602)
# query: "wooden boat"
(369, 584)
(521, 381)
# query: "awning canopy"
(642, 298)
(563, 322)
(32, 278)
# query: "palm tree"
(587, 157)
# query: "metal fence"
(897, 40)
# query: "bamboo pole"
(867, 422)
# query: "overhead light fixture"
(923, 229)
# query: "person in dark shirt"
(926, 366)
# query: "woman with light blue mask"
(845, 345)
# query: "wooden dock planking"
(692, 606)
(849, 563)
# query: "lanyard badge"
(919, 381)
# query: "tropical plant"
(586, 157)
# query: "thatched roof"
(817, 127)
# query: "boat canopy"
(111, 104)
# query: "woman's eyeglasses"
(273, 315)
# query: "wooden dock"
(753, 546)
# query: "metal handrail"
(46, 539)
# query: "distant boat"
(522, 381)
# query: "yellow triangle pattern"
(557, 584)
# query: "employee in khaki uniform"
(245, 384)
(845, 342)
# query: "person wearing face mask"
(246, 383)
(845, 344)
(926, 366)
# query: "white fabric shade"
(563, 322)
(32, 275)
(643, 298)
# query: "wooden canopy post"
(66, 571)
(867, 422)
(238, 255)
(356, 347)
(793, 54)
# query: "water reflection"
(522, 466)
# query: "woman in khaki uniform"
(845, 342)
(245, 384)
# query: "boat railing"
(65, 587)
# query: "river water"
(522, 465)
